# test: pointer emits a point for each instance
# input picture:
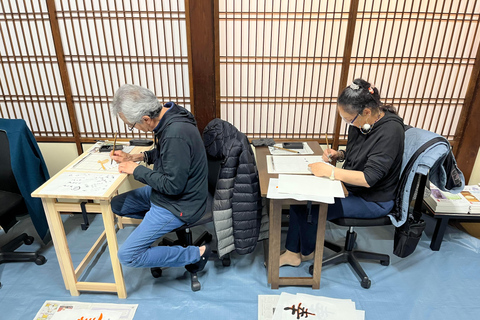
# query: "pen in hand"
(329, 155)
(114, 143)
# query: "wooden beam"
(67, 89)
(466, 144)
(202, 40)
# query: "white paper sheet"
(96, 162)
(266, 306)
(80, 184)
(292, 165)
(274, 194)
(310, 186)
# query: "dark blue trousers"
(302, 234)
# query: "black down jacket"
(237, 206)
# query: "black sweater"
(179, 175)
(378, 155)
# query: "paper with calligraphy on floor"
(305, 306)
(67, 310)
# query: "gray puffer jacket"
(237, 204)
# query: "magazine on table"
(442, 201)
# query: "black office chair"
(184, 233)
(347, 253)
(12, 205)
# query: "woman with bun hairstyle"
(371, 168)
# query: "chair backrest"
(214, 166)
(7, 179)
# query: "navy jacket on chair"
(29, 168)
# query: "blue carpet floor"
(426, 285)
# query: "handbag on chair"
(407, 237)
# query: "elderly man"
(176, 189)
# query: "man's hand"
(127, 167)
(320, 169)
(119, 156)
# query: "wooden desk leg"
(60, 244)
(109, 223)
(317, 262)
(437, 237)
(274, 243)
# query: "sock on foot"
(309, 257)
(289, 258)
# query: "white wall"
(475, 177)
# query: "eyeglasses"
(355, 118)
(350, 122)
(131, 127)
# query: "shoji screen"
(30, 83)
(281, 61)
(110, 43)
(420, 54)
(105, 44)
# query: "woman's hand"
(320, 169)
(329, 155)
(119, 156)
(127, 167)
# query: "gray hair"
(135, 102)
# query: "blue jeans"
(136, 251)
(301, 234)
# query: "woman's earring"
(366, 127)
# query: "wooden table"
(275, 219)
(54, 205)
(442, 223)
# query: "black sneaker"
(200, 265)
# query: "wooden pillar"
(67, 89)
(467, 142)
(352, 20)
(202, 40)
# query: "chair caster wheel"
(196, 286)
(40, 260)
(226, 262)
(366, 283)
(310, 270)
(385, 262)
(156, 272)
(28, 241)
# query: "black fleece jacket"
(378, 155)
(179, 175)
